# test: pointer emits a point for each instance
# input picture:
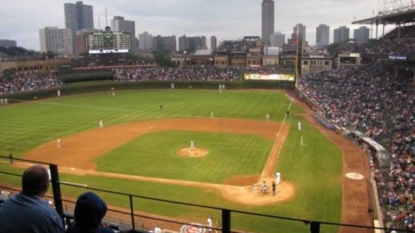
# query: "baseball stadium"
(289, 147)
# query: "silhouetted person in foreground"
(26, 212)
(90, 209)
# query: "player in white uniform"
(58, 143)
(299, 125)
(278, 177)
(209, 223)
(192, 144)
(101, 123)
(267, 117)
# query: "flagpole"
(106, 19)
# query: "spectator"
(90, 209)
(27, 211)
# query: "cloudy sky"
(21, 20)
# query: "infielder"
(267, 117)
(101, 124)
(58, 143)
(192, 144)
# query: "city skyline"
(184, 17)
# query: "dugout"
(382, 155)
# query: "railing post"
(226, 221)
(56, 188)
(132, 211)
(315, 227)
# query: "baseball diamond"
(145, 151)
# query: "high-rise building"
(80, 40)
(361, 34)
(77, 17)
(145, 42)
(267, 20)
(213, 42)
(322, 35)
(277, 40)
(164, 43)
(7, 43)
(341, 34)
(192, 43)
(119, 24)
(53, 39)
(301, 30)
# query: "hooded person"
(90, 209)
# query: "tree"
(163, 59)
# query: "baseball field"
(144, 149)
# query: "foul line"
(276, 141)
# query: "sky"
(21, 20)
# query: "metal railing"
(131, 216)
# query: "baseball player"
(101, 123)
(264, 187)
(58, 143)
(278, 177)
(274, 188)
(299, 125)
(192, 144)
(209, 223)
(267, 116)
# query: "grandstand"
(372, 103)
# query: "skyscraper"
(341, 34)
(213, 42)
(192, 43)
(267, 20)
(119, 24)
(300, 29)
(322, 35)
(277, 40)
(77, 17)
(361, 34)
(145, 42)
(53, 39)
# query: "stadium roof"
(399, 16)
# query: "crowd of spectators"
(177, 74)
(28, 81)
(378, 101)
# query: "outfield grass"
(314, 169)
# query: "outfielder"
(299, 125)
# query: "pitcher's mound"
(196, 152)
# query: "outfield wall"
(116, 86)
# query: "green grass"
(314, 169)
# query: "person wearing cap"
(26, 212)
(90, 209)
